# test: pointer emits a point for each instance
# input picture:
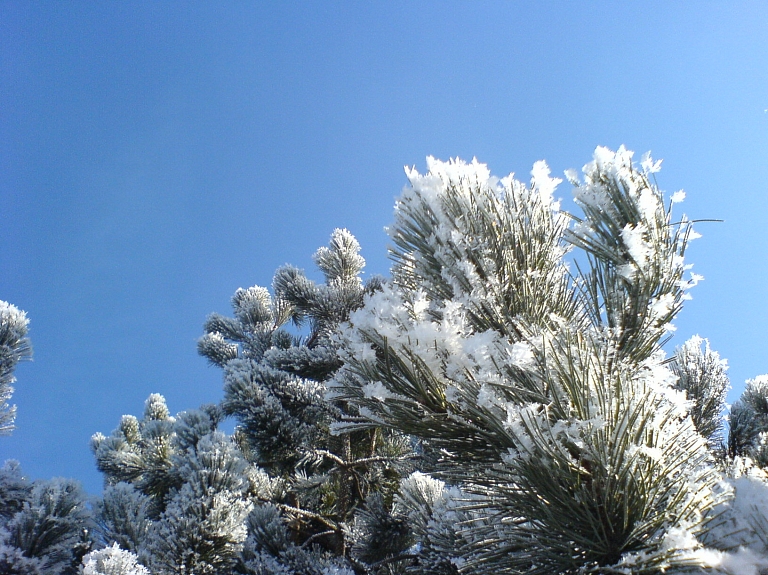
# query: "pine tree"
(291, 491)
(503, 404)
(123, 518)
(523, 346)
(701, 374)
(45, 526)
(275, 387)
(112, 561)
(748, 423)
(51, 531)
(14, 493)
(14, 347)
(178, 490)
(14, 489)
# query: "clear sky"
(156, 156)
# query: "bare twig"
(302, 512)
(363, 461)
(317, 536)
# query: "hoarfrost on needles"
(112, 561)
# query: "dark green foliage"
(280, 414)
(701, 374)
(275, 387)
(14, 489)
(201, 528)
(384, 534)
(53, 526)
(123, 517)
(14, 562)
(748, 423)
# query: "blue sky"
(156, 156)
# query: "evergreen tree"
(178, 490)
(291, 491)
(14, 489)
(14, 493)
(701, 374)
(123, 519)
(748, 423)
(45, 526)
(112, 561)
(562, 441)
(275, 387)
(503, 404)
(14, 347)
(51, 530)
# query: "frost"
(648, 203)
(452, 393)
(420, 306)
(487, 399)
(377, 390)
(521, 355)
(662, 306)
(14, 322)
(741, 562)
(634, 240)
(545, 185)
(336, 570)
(627, 271)
(648, 165)
(14, 347)
(693, 235)
(364, 351)
(112, 561)
(572, 176)
(480, 345)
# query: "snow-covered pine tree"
(701, 375)
(551, 433)
(748, 423)
(45, 526)
(14, 347)
(51, 530)
(112, 561)
(287, 493)
(275, 387)
(527, 355)
(177, 491)
(14, 492)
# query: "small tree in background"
(177, 490)
(275, 386)
(53, 526)
(45, 525)
(748, 423)
(701, 375)
(290, 491)
(14, 347)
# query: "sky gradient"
(156, 156)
